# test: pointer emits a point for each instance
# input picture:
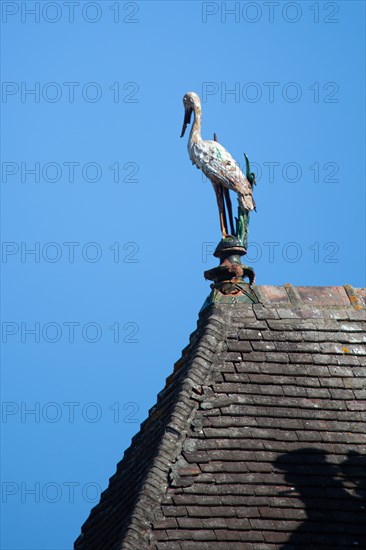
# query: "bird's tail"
(246, 202)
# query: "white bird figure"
(216, 163)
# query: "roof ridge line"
(176, 429)
(290, 296)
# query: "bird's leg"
(229, 209)
(226, 194)
(224, 220)
(220, 204)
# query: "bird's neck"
(195, 134)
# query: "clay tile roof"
(258, 439)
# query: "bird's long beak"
(187, 119)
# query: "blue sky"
(121, 225)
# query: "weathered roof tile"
(258, 440)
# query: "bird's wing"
(218, 164)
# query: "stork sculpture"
(220, 168)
